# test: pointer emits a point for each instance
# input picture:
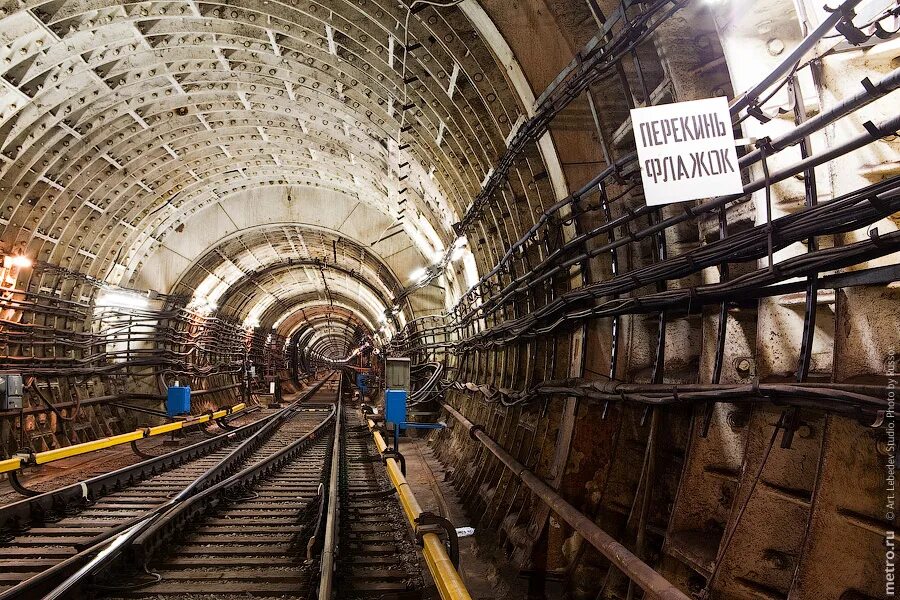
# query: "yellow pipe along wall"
(17, 462)
(447, 579)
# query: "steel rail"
(447, 579)
(642, 574)
(108, 546)
(170, 523)
(329, 549)
(17, 515)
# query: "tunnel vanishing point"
(646, 382)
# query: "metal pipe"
(751, 95)
(447, 579)
(637, 570)
(47, 456)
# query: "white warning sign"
(686, 151)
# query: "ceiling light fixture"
(19, 261)
(115, 298)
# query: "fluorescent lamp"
(20, 261)
(121, 299)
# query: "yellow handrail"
(446, 577)
(17, 462)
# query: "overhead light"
(20, 261)
(419, 275)
(112, 298)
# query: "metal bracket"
(845, 27)
(428, 522)
(395, 454)
(27, 456)
(140, 452)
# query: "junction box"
(396, 389)
(10, 391)
(178, 401)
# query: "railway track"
(252, 537)
(307, 513)
(377, 556)
(45, 538)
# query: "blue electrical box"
(395, 406)
(362, 383)
(178, 401)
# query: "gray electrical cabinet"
(10, 391)
(396, 373)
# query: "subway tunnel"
(623, 379)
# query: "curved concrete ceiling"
(122, 126)
(257, 268)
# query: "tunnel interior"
(240, 195)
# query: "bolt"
(737, 420)
(775, 46)
(776, 560)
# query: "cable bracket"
(395, 454)
(428, 522)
